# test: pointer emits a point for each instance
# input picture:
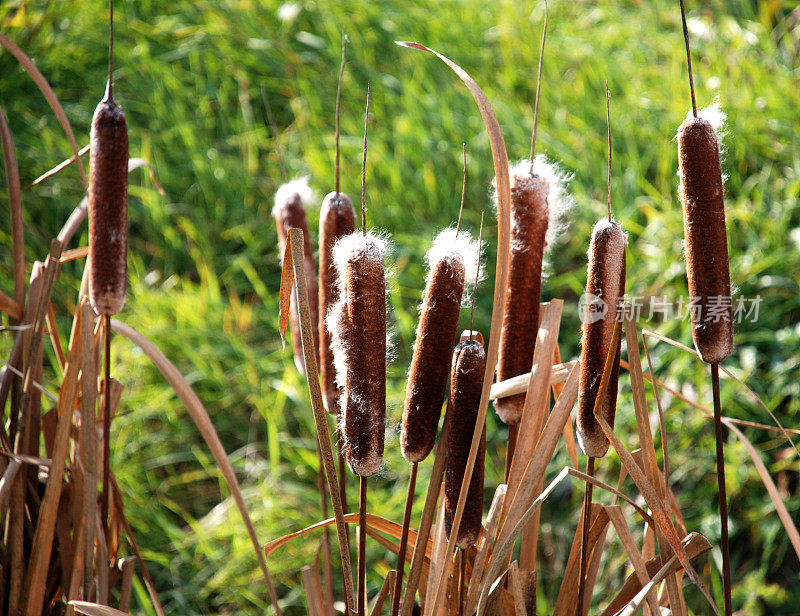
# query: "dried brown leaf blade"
(95, 609)
(35, 74)
(296, 242)
(769, 484)
(287, 281)
(48, 511)
(753, 395)
(15, 203)
(694, 544)
(374, 522)
(505, 547)
(502, 181)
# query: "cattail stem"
(326, 536)
(362, 549)
(587, 514)
(538, 89)
(110, 49)
(463, 189)
(364, 170)
(401, 555)
(342, 475)
(723, 499)
(688, 58)
(462, 576)
(106, 427)
(608, 124)
(338, 108)
(477, 279)
(511, 446)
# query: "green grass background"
(204, 270)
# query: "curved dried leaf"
(52, 99)
(287, 280)
(95, 609)
(504, 549)
(753, 395)
(502, 182)
(15, 202)
(138, 163)
(604, 486)
(774, 495)
(60, 166)
(203, 422)
(374, 522)
(320, 418)
(695, 545)
(660, 513)
(74, 222)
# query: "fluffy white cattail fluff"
(286, 194)
(462, 250)
(291, 201)
(714, 115)
(454, 247)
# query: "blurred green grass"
(204, 266)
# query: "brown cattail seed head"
(358, 325)
(290, 212)
(466, 382)
(605, 287)
(108, 208)
(706, 245)
(529, 219)
(449, 260)
(337, 218)
(538, 203)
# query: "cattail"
(538, 202)
(706, 238)
(448, 259)
(605, 287)
(358, 327)
(466, 381)
(108, 208)
(290, 212)
(707, 269)
(337, 218)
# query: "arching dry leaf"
(502, 182)
(52, 99)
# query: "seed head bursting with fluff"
(291, 201)
(539, 202)
(453, 261)
(357, 323)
